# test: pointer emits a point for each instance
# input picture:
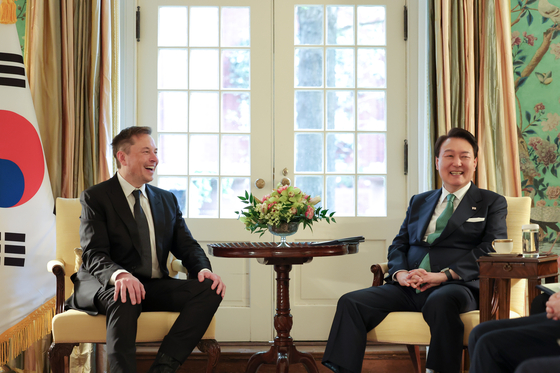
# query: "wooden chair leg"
(414, 352)
(57, 353)
(212, 349)
(465, 363)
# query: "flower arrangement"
(286, 204)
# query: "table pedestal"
(283, 352)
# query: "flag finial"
(8, 12)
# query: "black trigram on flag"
(14, 244)
(12, 71)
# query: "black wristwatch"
(448, 274)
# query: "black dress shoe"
(164, 364)
(335, 368)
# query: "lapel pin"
(474, 208)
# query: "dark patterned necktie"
(145, 269)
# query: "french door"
(313, 92)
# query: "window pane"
(308, 67)
(236, 68)
(372, 153)
(236, 31)
(204, 69)
(236, 155)
(236, 112)
(340, 110)
(372, 69)
(340, 152)
(371, 25)
(204, 113)
(204, 155)
(203, 197)
(340, 67)
(172, 69)
(309, 152)
(372, 111)
(372, 196)
(172, 26)
(341, 195)
(312, 185)
(340, 25)
(172, 153)
(308, 24)
(204, 27)
(172, 111)
(231, 188)
(308, 110)
(177, 186)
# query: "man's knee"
(211, 294)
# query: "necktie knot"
(136, 194)
(450, 198)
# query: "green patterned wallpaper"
(20, 24)
(536, 51)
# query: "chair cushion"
(152, 327)
(411, 329)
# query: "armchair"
(69, 328)
(409, 328)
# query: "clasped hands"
(127, 283)
(420, 279)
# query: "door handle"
(260, 183)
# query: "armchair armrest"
(379, 270)
(177, 266)
(58, 268)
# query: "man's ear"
(437, 163)
(121, 156)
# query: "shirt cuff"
(205, 269)
(115, 274)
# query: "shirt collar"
(458, 194)
(129, 188)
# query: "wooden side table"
(501, 269)
(282, 352)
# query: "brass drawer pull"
(507, 267)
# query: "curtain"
(69, 57)
(472, 85)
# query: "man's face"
(139, 165)
(456, 163)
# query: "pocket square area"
(475, 220)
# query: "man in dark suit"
(432, 263)
(128, 229)
(523, 345)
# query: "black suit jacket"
(479, 219)
(110, 241)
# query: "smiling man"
(432, 263)
(128, 230)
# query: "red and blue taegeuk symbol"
(22, 165)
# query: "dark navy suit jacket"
(110, 241)
(479, 219)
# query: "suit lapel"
(466, 209)
(425, 213)
(122, 209)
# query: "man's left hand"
(217, 282)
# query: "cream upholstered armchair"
(409, 328)
(69, 328)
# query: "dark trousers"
(360, 311)
(502, 345)
(195, 301)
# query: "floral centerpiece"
(286, 204)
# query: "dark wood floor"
(234, 357)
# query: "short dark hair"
(124, 140)
(459, 133)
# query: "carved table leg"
(283, 352)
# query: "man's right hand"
(124, 283)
